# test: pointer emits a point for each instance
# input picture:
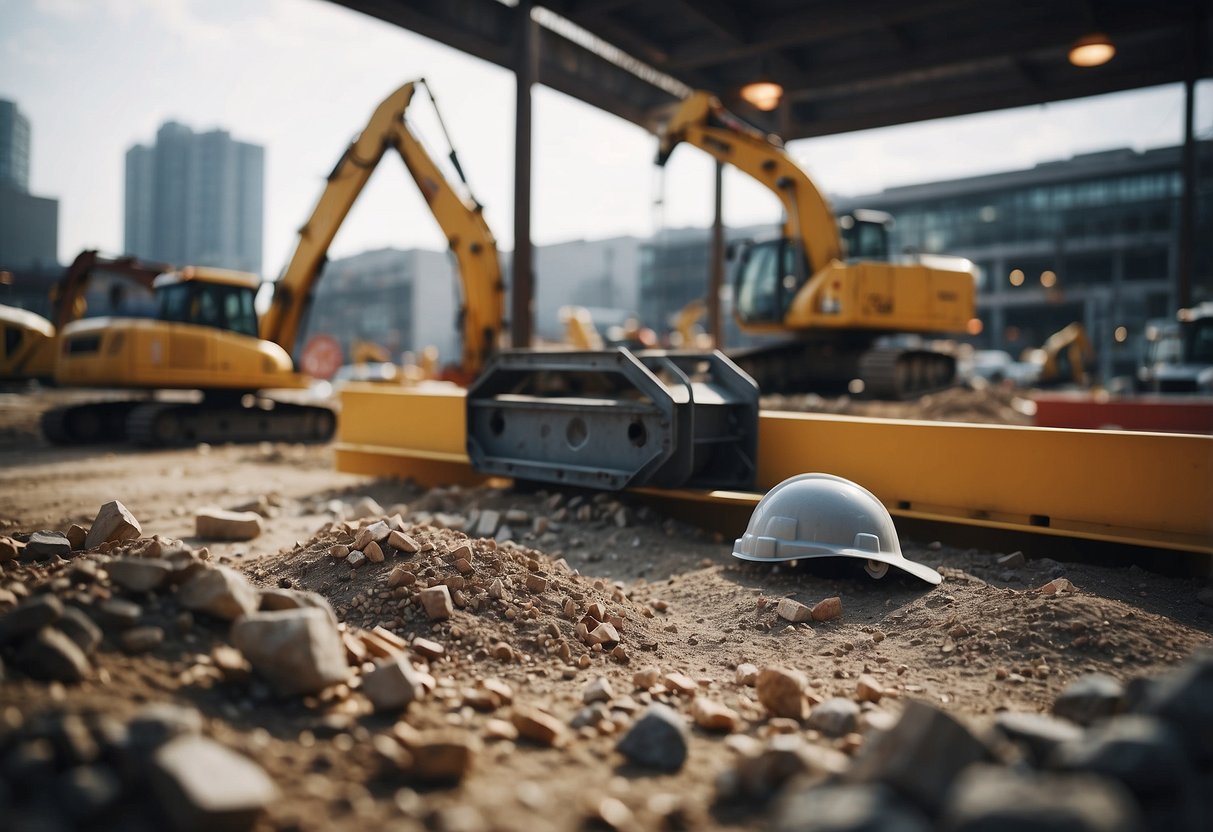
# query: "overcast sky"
(301, 77)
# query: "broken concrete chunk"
(297, 651)
(202, 785)
(139, 574)
(401, 542)
(393, 684)
(372, 534)
(828, 609)
(218, 524)
(436, 601)
(44, 544)
(113, 522)
(793, 611)
(220, 591)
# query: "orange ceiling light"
(762, 95)
(1095, 49)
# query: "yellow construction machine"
(1064, 357)
(826, 281)
(207, 336)
(28, 342)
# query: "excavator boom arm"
(460, 219)
(702, 121)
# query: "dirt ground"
(984, 641)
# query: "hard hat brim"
(918, 570)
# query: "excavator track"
(163, 424)
(823, 366)
(87, 424)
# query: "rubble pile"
(379, 670)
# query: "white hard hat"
(819, 516)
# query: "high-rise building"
(195, 199)
(14, 147)
(29, 225)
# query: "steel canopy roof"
(844, 66)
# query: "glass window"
(758, 284)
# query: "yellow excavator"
(826, 281)
(1064, 357)
(207, 336)
(28, 341)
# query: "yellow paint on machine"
(1143, 489)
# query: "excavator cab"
(768, 274)
(220, 300)
(865, 234)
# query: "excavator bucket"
(615, 419)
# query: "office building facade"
(14, 147)
(1092, 239)
(195, 199)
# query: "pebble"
(597, 690)
(142, 639)
(366, 507)
(436, 601)
(747, 674)
(713, 716)
(1038, 734)
(429, 649)
(118, 614)
(373, 552)
(218, 524)
(920, 756)
(139, 574)
(781, 691)
(657, 739)
(537, 583)
(845, 808)
(793, 611)
(646, 678)
(994, 798)
(537, 726)
(356, 559)
(297, 651)
(79, 628)
(372, 534)
(604, 634)
(1056, 586)
(159, 722)
(1015, 560)
(393, 684)
(202, 785)
(442, 756)
(401, 542)
(1090, 697)
(45, 544)
(219, 591)
(52, 656)
(835, 717)
(29, 616)
(113, 522)
(10, 549)
(867, 689)
(339, 551)
(827, 609)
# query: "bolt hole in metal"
(637, 434)
(577, 433)
(875, 568)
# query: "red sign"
(321, 357)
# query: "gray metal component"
(614, 419)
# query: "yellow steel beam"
(1143, 489)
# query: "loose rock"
(846, 808)
(436, 601)
(781, 691)
(536, 726)
(44, 544)
(598, 690)
(29, 616)
(139, 574)
(991, 798)
(713, 716)
(297, 651)
(442, 757)
(219, 591)
(393, 684)
(202, 785)
(1090, 697)
(793, 611)
(658, 739)
(142, 639)
(113, 523)
(52, 656)
(835, 717)
(217, 524)
(828, 609)
(1038, 734)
